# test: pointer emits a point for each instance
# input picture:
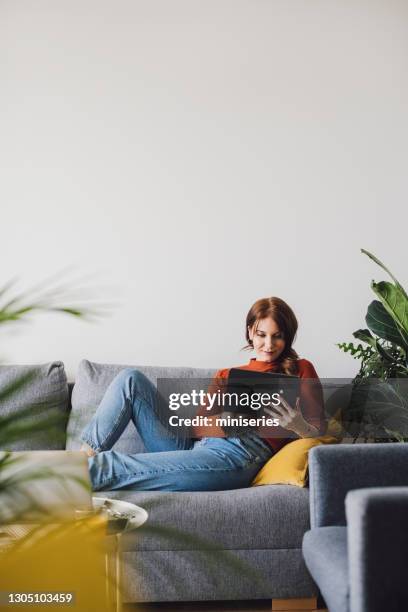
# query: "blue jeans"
(173, 462)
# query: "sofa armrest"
(377, 542)
(335, 470)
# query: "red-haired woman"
(214, 461)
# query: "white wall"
(192, 156)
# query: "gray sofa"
(221, 545)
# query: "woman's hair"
(285, 319)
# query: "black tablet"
(250, 390)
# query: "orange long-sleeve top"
(311, 401)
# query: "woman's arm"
(311, 398)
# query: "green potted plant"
(378, 407)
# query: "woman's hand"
(292, 418)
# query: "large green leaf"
(395, 303)
(382, 324)
(380, 263)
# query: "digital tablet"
(247, 386)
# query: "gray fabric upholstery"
(91, 382)
(46, 395)
(267, 517)
(239, 544)
(334, 470)
(325, 552)
(194, 575)
(378, 545)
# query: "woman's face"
(268, 340)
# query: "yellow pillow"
(289, 465)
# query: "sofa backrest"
(79, 400)
(34, 406)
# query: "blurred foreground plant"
(34, 420)
(66, 559)
(16, 305)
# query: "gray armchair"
(357, 548)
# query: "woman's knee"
(132, 379)
(131, 374)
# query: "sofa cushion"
(91, 382)
(269, 517)
(44, 398)
(325, 554)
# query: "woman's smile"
(268, 355)
(268, 340)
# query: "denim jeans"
(173, 461)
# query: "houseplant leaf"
(382, 324)
(395, 303)
(366, 336)
(384, 353)
(380, 263)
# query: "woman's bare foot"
(88, 450)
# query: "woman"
(214, 462)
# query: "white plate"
(135, 514)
